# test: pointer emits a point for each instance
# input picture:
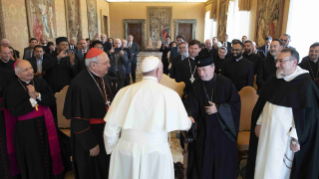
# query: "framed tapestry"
(92, 19)
(222, 21)
(73, 19)
(269, 20)
(41, 19)
(159, 18)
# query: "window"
(238, 22)
(303, 25)
(210, 27)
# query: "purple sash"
(10, 122)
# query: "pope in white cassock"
(144, 114)
(285, 143)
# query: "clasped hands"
(32, 93)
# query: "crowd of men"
(119, 131)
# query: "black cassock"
(8, 65)
(85, 101)
(302, 96)
(6, 77)
(213, 153)
(241, 72)
(254, 59)
(186, 68)
(31, 140)
(59, 73)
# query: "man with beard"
(209, 50)
(284, 134)
(220, 58)
(87, 101)
(215, 105)
(63, 67)
(188, 67)
(175, 51)
(238, 69)
(183, 51)
(33, 137)
(165, 48)
(311, 64)
(249, 55)
(267, 66)
(5, 61)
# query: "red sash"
(96, 121)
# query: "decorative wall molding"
(135, 21)
(185, 21)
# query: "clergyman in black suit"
(134, 50)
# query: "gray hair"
(131, 36)
(223, 48)
(88, 61)
(4, 40)
(183, 43)
(286, 35)
(118, 40)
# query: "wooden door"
(186, 29)
(136, 31)
(105, 25)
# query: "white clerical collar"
(27, 82)
(292, 76)
(150, 78)
(94, 73)
(239, 58)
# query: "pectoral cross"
(108, 103)
(192, 79)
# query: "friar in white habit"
(144, 113)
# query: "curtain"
(302, 25)
(213, 11)
(210, 27)
(244, 5)
(238, 22)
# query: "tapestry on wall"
(222, 22)
(41, 19)
(269, 19)
(2, 35)
(73, 19)
(159, 22)
(92, 19)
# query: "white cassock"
(144, 113)
(274, 156)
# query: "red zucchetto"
(94, 52)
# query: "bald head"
(5, 54)
(24, 70)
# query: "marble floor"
(177, 151)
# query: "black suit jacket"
(134, 50)
(174, 72)
(27, 53)
(267, 67)
(47, 63)
(165, 50)
(120, 72)
(174, 53)
(228, 47)
(107, 46)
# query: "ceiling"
(182, 1)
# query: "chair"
(60, 99)
(248, 97)
(179, 156)
(255, 83)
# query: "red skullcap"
(94, 52)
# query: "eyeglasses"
(281, 61)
